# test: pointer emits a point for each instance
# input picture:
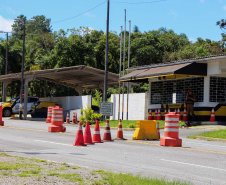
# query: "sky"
(195, 18)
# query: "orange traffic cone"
(73, 119)
(212, 117)
(159, 115)
(76, 118)
(79, 140)
(67, 118)
(96, 135)
(150, 115)
(107, 132)
(87, 135)
(178, 112)
(120, 131)
(1, 122)
(185, 118)
(157, 127)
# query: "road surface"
(197, 161)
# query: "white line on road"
(193, 165)
(53, 143)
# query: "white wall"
(70, 102)
(138, 106)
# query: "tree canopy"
(46, 49)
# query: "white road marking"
(193, 165)
(53, 142)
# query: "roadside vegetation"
(19, 170)
(132, 123)
(219, 134)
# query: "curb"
(211, 139)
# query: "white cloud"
(172, 12)
(11, 11)
(87, 14)
(6, 24)
(224, 7)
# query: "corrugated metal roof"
(74, 76)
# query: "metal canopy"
(75, 76)
(189, 68)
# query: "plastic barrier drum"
(57, 121)
(171, 131)
(49, 115)
(146, 129)
(1, 122)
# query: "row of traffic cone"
(158, 116)
(87, 139)
(74, 119)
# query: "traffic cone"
(67, 118)
(73, 119)
(185, 118)
(157, 127)
(76, 118)
(96, 135)
(79, 140)
(120, 131)
(150, 115)
(107, 132)
(1, 122)
(212, 117)
(155, 117)
(178, 112)
(159, 115)
(87, 135)
(168, 109)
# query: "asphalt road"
(197, 161)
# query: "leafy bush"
(88, 115)
(131, 125)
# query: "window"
(174, 91)
(217, 89)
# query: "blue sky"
(195, 18)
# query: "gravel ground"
(18, 171)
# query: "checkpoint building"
(169, 83)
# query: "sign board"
(106, 108)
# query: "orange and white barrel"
(49, 115)
(1, 122)
(171, 131)
(57, 120)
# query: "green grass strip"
(127, 179)
(132, 123)
(219, 134)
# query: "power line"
(80, 13)
(147, 2)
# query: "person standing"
(190, 100)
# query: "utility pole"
(120, 68)
(6, 63)
(124, 59)
(106, 55)
(128, 86)
(22, 72)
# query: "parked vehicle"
(12, 106)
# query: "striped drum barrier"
(57, 120)
(171, 131)
(1, 122)
(49, 115)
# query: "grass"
(219, 134)
(23, 169)
(127, 123)
(127, 179)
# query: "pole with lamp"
(22, 66)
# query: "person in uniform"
(190, 100)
